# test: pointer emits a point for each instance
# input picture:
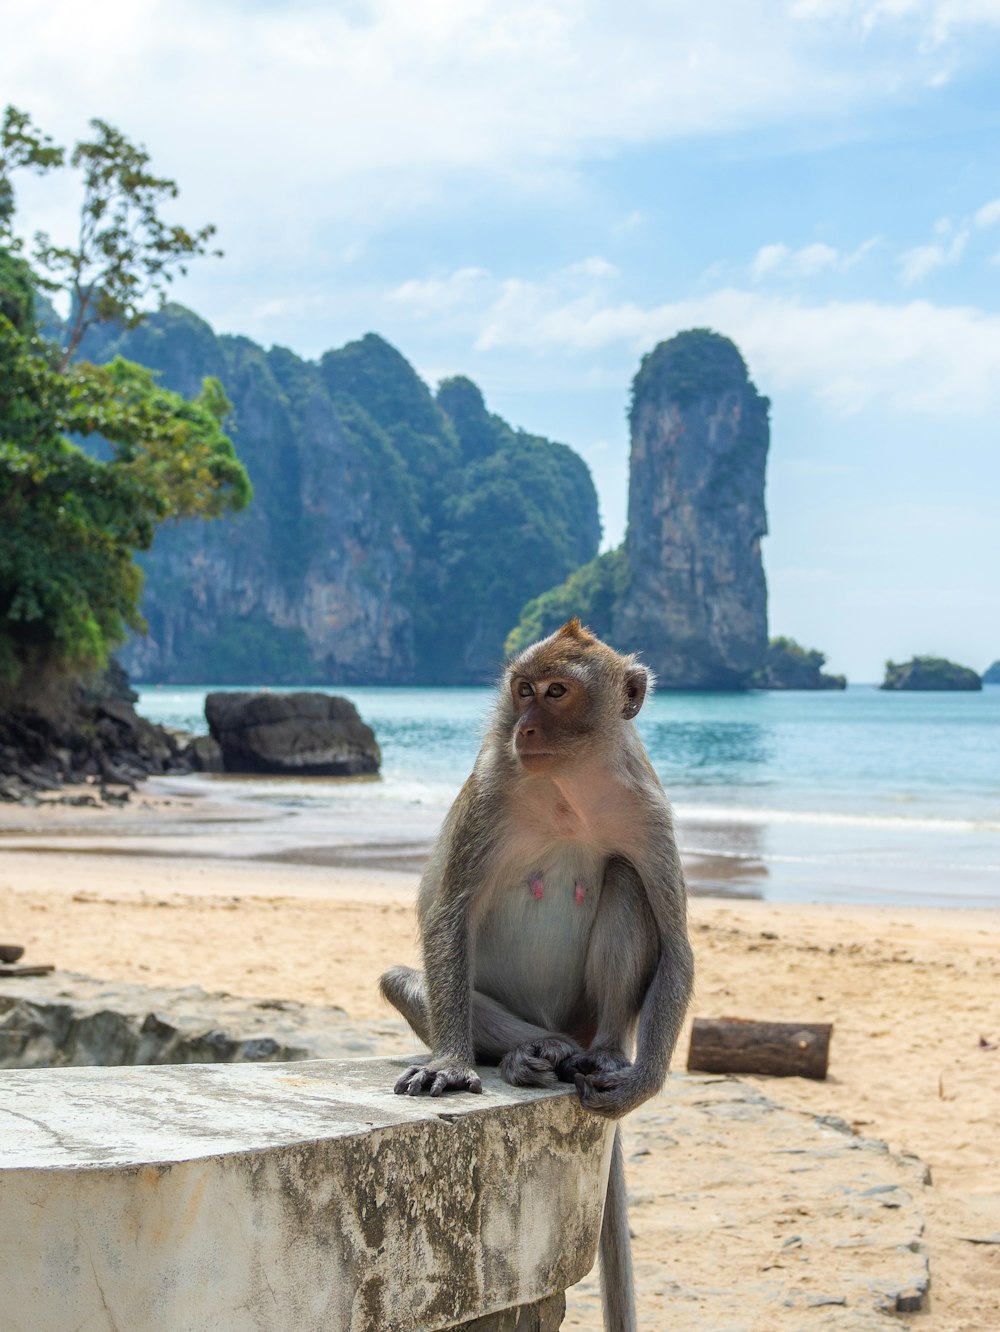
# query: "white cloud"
(779, 260)
(594, 267)
(436, 294)
(917, 263)
(935, 22)
(629, 223)
(770, 259)
(908, 357)
(953, 238)
(988, 215)
(813, 259)
(304, 112)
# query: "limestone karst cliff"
(687, 588)
(695, 599)
(380, 540)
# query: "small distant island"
(992, 674)
(788, 665)
(929, 673)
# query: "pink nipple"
(537, 888)
(581, 892)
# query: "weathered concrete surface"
(237, 1197)
(68, 1019)
(809, 1226)
(795, 1210)
(544, 1316)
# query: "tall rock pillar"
(695, 603)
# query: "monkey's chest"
(531, 941)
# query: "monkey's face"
(552, 720)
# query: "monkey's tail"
(616, 1249)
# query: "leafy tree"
(124, 252)
(69, 521)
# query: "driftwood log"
(739, 1045)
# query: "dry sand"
(914, 996)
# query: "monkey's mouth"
(533, 758)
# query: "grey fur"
(553, 911)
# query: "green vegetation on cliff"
(929, 673)
(788, 665)
(698, 363)
(590, 593)
(70, 522)
(395, 533)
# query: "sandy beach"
(913, 994)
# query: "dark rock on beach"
(300, 734)
(82, 731)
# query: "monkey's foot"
(611, 1094)
(535, 1063)
(436, 1078)
(594, 1060)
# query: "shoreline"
(788, 855)
(912, 991)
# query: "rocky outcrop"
(788, 665)
(924, 673)
(84, 732)
(695, 602)
(992, 674)
(300, 734)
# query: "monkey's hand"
(613, 1094)
(594, 1060)
(537, 1063)
(437, 1077)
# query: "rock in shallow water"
(300, 734)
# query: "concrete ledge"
(304, 1196)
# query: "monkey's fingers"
(403, 1083)
(590, 1061)
(456, 1079)
(607, 1094)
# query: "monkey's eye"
(556, 690)
(525, 690)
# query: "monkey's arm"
(444, 934)
(617, 1091)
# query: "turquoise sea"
(853, 796)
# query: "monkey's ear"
(636, 682)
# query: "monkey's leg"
(621, 961)
(404, 989)
(527, 1054)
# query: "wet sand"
(913, 994)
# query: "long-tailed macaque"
(553, 912)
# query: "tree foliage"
(589, 593)
(70, 522)
(125, 251)
(698, 363)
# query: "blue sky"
(536, 193)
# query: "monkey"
(553, 909)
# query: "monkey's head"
(567, 695)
